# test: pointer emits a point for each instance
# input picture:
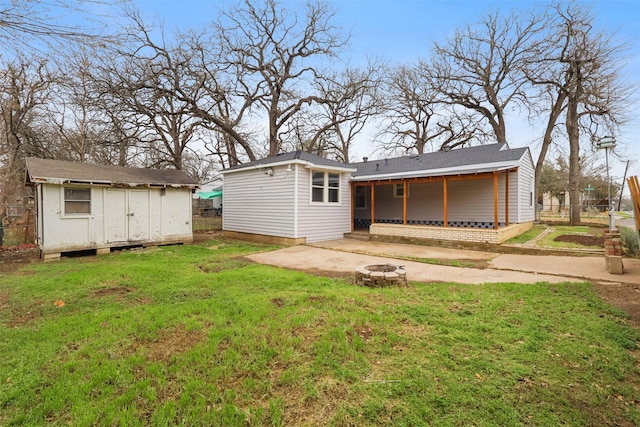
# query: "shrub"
(629, 241)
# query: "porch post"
(445, 212)
(506, 198)
(404, 202)
(353, 204)
(495, 200)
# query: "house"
(94, 207)
(291, 198)
(482, 194)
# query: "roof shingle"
(59, 171)
(462, 159)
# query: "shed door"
(116, 216)
(138, 215)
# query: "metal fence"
(589, 213)
(17, 234)
(206, 223)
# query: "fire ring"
(381, 275)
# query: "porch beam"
(495, 200)
(445, 211)
(459, 177)
(404, 202)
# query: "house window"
(530, 191)
(360, 198)
(77, 201)
(325, 187)
(398, 190)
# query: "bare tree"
(37, 24)
(276, 55)
(145, 78)
(350, 99)
(479, 69)
(25, 88)
(416, 120)
(219, 97)
(75, 123)
(577, 71)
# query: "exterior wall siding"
(458, 234)
(257, 203)
(526, 190)
(473, 200)
(327, 221)
(468, 201)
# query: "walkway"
(345, 255)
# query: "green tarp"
(210, 194)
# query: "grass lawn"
(559, 230)
(194, 335)
(548, 241)
(528, 235)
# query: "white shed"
(294, 197)
(96, 207)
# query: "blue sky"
(401, 31)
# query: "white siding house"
(93, 207)
(301, 197)
(295, 197)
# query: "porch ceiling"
(462, 173)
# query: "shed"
(95, 207)
(293, 197)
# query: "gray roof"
(62, 172)
(293, 156)
(478, 159)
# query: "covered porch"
(477, 207)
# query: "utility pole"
(626, 169)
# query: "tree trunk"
(557, 108)
(573, 133)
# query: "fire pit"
(381, 275)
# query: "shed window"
(325, 187)
(77, 201)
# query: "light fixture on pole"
(605, 143)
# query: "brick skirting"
(459, 234)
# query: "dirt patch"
(169, 343)
(118, 292)
(581, 239)
(203, 236)
(22, 316)
(625, 296)
(278, 302)
(11, 260)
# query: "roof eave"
(305, 163)
(64, 181)
(464, 170)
